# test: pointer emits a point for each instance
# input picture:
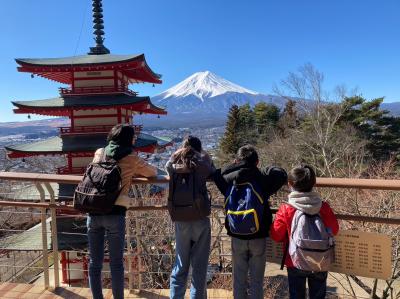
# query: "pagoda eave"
(154, 110)
(64, 106)
(62, 69)
(44, 112)
(79, 145)
(145, 76)
(147, 149)
(67, 112)
(16, 154)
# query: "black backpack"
(188, 198)
(100, 187)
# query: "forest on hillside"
(341, 135)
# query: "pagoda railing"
(93, 129)
(93, 90)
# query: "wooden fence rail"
(370, 184)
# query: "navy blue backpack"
(244, 208)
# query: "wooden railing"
(48, 202)
(321, 182)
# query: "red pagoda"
(97, 98)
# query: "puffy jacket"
(270, 179)
(131, 166)
(281, 227)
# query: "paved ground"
(337, 283)
(31, 291)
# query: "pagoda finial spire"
(98, 26)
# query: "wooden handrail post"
(44, 237)
(54, 236)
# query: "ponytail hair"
(189, 153)
(194, 142)
(186, 156)
(302, 178)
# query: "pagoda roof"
(79, 143)
(80, 60)
(62, 106)
(61, 69)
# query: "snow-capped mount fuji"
(204, 85)
(205, 93)
(204, 98)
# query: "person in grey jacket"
(190, 211)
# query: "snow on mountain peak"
(204, 85)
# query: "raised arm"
(142, 168)
(168, 167)
(220, 182)
(274, 178)
(207, 166)
(279, 228)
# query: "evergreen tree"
(230, 141)
(246, 116)
(266, 117)
(381, 130)
(247, 129)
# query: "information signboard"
(356, 253)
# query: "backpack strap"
(288, 240)
(229, 195)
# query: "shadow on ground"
(64, 293)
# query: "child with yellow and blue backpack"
(248, 217)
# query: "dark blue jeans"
(111, 227)
(297, 284)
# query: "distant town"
(48, 164)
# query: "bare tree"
(319, 139)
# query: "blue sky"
(252, 43)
